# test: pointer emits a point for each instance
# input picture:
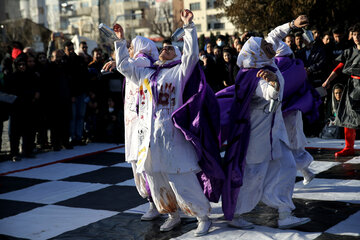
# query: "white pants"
(271, 182)
(302, 158)
(170, 191)
(140, 181)
(294, 127)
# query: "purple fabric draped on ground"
(298, 93)
(199, 120)
(234, 103)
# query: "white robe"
(261, 121)
(168, 159)
(270, 170)
(170, 152)
(294, 127)
(130, 114)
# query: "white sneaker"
(151, 214)
(203, 227)
(241, 223)
(308, 176)
(292, 221)
(170, 223)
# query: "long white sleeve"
(123, 63)
(276, 35)
(265, 90)
(190, 55)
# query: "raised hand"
(267, 75)
(186, 16)
(109, 66)
(301, 21)
(119, 31)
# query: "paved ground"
(88, 193)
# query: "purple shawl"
(199, 120)
(298, 93)
(235, 113)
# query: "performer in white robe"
(270, 169)
(294, 127)
(143, 53)
(168, 159)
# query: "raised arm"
(276, 35)
(190, 55)
(123, 65)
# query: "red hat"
(15, 52)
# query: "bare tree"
(24, 31)
(161, 20)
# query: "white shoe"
(170, 223)
(241, 223)
(203, 227)
(151, 214)
(292, 221)
(308, 176)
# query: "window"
(194, 6)
(84, 4)
(219, 25)
(198, 27)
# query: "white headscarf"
(146, 46)
(252, 56)
(283, 50)
(177, 57)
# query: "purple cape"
(298, 93)
(235, 114)
(199, 120)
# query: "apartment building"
(130, 14)
(205, 18)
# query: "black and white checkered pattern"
(94, 197)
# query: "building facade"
(206, 20)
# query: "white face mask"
(220, 43)
(111, 109)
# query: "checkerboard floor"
(90, 194)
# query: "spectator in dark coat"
(23, 84)
(79, 87)
(58, 98)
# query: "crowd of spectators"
(64, 99)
